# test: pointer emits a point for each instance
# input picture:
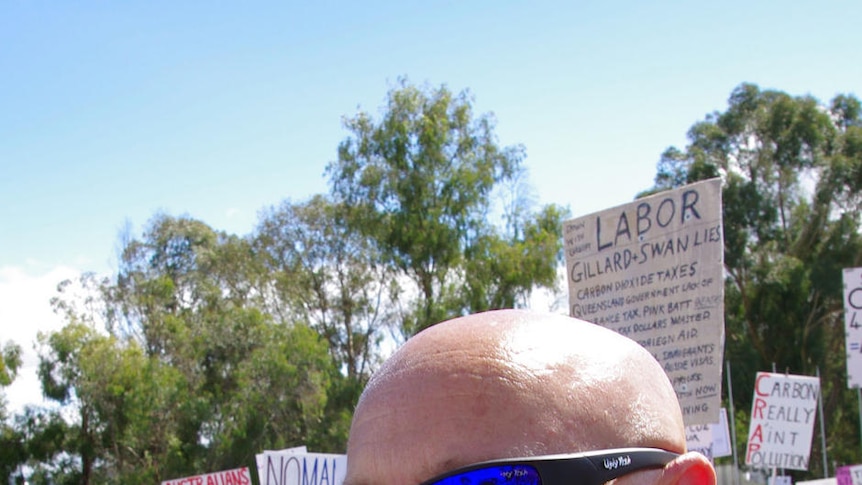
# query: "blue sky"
(112, 111)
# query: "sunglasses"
(590, 468)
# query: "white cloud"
(25, 310)
(552, 300)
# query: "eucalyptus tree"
(320, 272)
(792, 191)
(502, 269)
(206, 310)
(123, 403)
(10, 361)
(168, 368)
(11, 449)
(323, 273)
(420, 182)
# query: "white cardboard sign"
(237, 476)
(652, 270)
(853, 325)
(698, 438)
(293, 467)
(721, 445)
(782, 421)
(710, 440)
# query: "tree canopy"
(420, 183)
(205, 348)
(792, 189)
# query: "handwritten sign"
(849, 475)
(710, 440)
(237, 476)
(297, 468)
(698, 437)
(853, 325)
(653, 270)
(782, 421)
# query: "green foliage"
(326, 275)
(205, 348)
(280, 399)
(500, 272)
(188, 374)
(10, 360)
(419, 183)
(11, 441)
(791, 198)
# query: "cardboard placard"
(782, 421)
(853, 325)
(652, 270)
(236, 476)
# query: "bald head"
(504, 384)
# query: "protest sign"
(290, 467)
(782, 421)
(853, 325)
(237, 476)
(653, 270)
(721, 445)
(698, 437)
(849, 475)
(295, 449)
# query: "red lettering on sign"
(757, 385)
(759, 404)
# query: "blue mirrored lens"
(495, 475)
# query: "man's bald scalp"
(559, 360)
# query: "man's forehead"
(411, 434)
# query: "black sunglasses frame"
(590, 468)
